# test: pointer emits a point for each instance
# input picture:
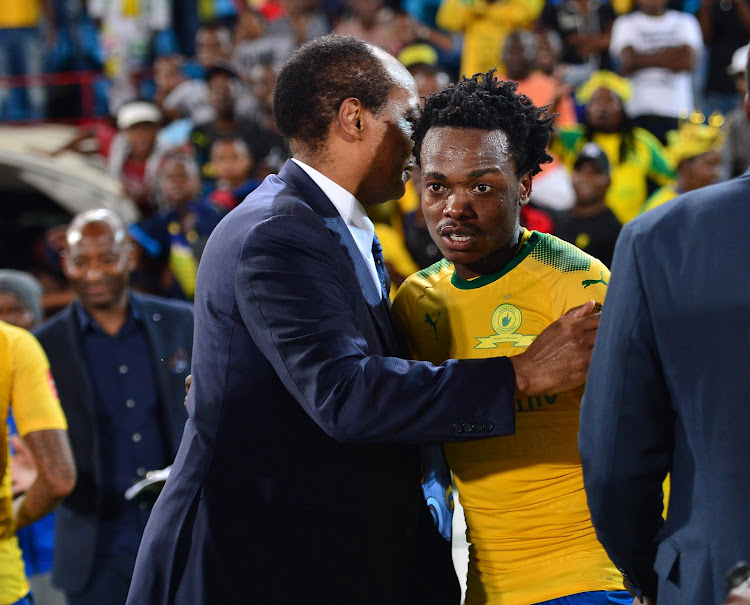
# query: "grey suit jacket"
(669, 391)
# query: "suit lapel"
(74, 354)
(344, 237)
(292, 174)
(317, 200)
(159, 356)
(81, 397)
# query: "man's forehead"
(478, 141)
(96, 233)
(475, 149)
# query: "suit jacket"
(169, 331)
(297, 480)
(667, 391)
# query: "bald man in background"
(119, 360)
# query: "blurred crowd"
(648, 96)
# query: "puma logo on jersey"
(590, 282)
(432, 323)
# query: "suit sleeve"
(625, 436)
(292, 298)
(403, 314)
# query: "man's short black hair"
(489, 104)
(322, 73)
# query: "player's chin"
(459, 257)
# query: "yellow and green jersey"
(528, 523)
(660, 196)
(629, 189)
(26, 386)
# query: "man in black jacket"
(119, 360)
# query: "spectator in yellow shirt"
(485, 24)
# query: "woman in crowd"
(635, 155)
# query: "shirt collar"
(348, 206)
(86, 322)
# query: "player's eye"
(434, 187)
(482, 187)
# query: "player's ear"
(524, 189)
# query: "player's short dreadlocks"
(489, 104)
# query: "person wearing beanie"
(20, 299)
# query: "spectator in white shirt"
(657, 49)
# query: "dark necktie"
(377, 254)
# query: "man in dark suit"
(297, 480)
(119, 360)
(668, 393)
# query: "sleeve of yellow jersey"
(581, 287)
(33, 398)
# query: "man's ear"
(524, 189)
(132, 253)
(350, 116)
(63, 255)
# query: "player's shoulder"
(13, 334)
(415, 285)
(551, 256)
(569, 275)
(550, 251)
(17, 341)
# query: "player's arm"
(55, 475)
(42, 425)
(674, 58)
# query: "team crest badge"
(506, 320)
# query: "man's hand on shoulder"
(558, 359)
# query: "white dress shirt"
(353, 213)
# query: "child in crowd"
(173, 240)
(232, 164)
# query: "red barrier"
(84, 79)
